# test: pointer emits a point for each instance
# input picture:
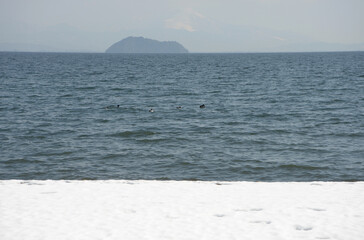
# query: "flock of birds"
(152, 110)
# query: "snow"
(121, 209)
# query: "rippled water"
(268, 117)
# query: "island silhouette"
(145, 45)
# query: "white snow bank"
(180, 210)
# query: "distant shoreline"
(182, 53)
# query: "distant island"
(145, 45)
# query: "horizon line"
(237, 52)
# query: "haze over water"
(268, 117)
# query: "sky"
(199, 25)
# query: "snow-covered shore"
(180, 210)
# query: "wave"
(301, 167)
(136, 133)
(20, 161)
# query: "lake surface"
(267, 117)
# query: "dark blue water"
(268, 117)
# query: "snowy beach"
(180, 210)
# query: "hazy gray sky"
(95, 24)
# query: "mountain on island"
(145, 45)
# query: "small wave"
(119, 89)
(192, 179)
(279, 131)
(48, 154)
(113, 156)
(138, 133)
(34, 96)
(85, 136)
(62, 132)
(186, 94)
(124, 109)
(102, 120)
(185, 163)
(233, 123)
(241, 170)
(255, 168)
(29, 137)
(86, 88)
(88, 178)
(163, 179)
(156, 140)
(300, 167)
(334, 134)
(20, 161)
(266, 115)
(95, 73)
(66, 95)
